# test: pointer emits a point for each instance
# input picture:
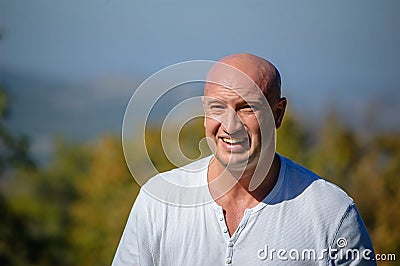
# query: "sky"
(70, 67)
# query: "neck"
(232, 186)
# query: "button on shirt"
(304, 220)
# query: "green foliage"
(336, 152)
(3, 104)
(190, 144)
(106, 194)
(41, 200)
(71, 213)
(377, 190)
(155, 150)
(13, 149)
(13, 229)
(292, 139)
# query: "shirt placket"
(230, 240)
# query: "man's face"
(236, 115)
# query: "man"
(245, 205)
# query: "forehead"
(235, 92)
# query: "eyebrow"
(252, 103)
(214, 100)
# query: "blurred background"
(69, 68)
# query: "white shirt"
(301, 222)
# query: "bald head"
(262, 72)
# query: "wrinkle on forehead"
(235, 93)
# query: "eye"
(216, 107)
(249, 109)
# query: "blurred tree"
(189, 140)
(41, 201)
(336, 151)
(155, 149)
(293, 139)
(13, 157)
(71, 212)
(106, 194)
(13, 149)
(377, 190)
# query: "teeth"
(232, 141)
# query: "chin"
(233, 161)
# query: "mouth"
(234, 141)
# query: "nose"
(231, 122)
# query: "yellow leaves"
(106, 193)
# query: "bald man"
(245, 204)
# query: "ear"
(280, 111)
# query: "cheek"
(252, 125)
(261, 128)
(211, 126)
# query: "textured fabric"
(304, 220)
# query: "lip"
(235, 145)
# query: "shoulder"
(179, 186)
(304, 182)
(327, 207)
(187, 175)
(304, 192)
